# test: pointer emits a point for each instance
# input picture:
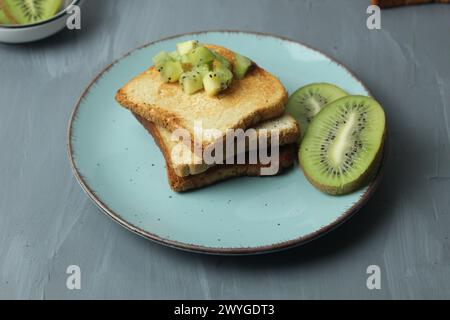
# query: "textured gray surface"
(47, 223)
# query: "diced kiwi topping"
(196, 67)
(174, 55)
(170, 71)
(162, 57)
(186, 47)
(242, 66)
(200, 56)
(221, 61)
(201, 70)
(191, 82)
(225, 75)
(213, 83)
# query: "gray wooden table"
(47, 223)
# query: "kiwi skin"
(364, 179)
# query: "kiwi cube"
(186, 63)
(170, 71)
(191, 82)
(175, 56)
(225, 75)
(221, 61)
(161, 57)
(200, 55)
(201, 70)
(242, 66)
(186, 47)
(214, 82)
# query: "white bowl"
(37, 31)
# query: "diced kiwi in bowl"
(198, 68)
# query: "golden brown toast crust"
(395, 3)
(259, 96)
(216, 173)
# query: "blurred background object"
(33, 19)
(396, 3)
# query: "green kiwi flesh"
(221, 61)
(163, 57)
(216, 81)
(31, 11)
(201, 70)
(170, 71)
(186, 47)
(343, 144)
(307, 101)
(191, 82)
(192, 62)
(200, 55)
(4, 18)
(242, 65)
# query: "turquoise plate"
(122, 170)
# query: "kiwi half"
(5, 17)
(307, 101)
(31, 11)
(343, 144)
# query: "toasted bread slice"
(257, 97)
(184, 162)
(216, 173)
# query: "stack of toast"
(257, 101)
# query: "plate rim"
(199, 248)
